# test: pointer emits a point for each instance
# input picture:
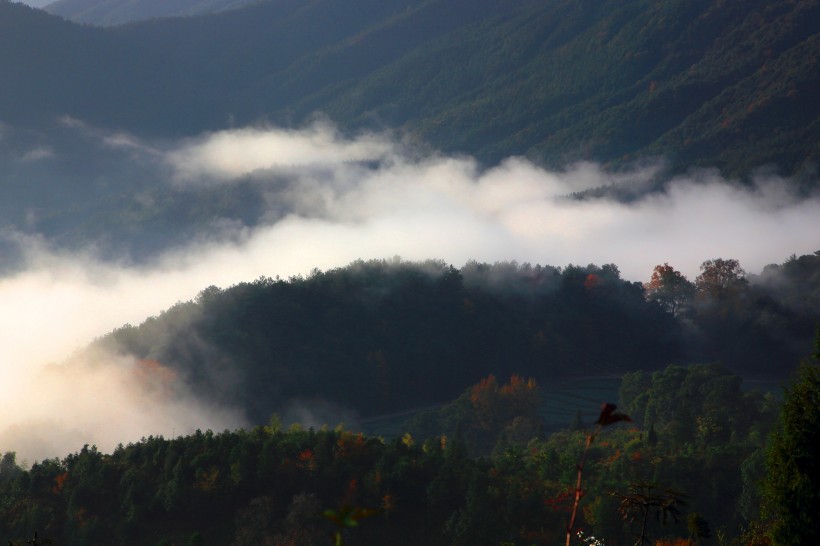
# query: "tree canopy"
(792, 485)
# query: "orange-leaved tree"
(669, 288)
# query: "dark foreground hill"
(381, 337)
(731, 85)
(700, 434)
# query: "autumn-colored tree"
(721, 285)
(669, 288)
(521, 395)
(495, 405)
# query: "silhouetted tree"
(721, 286)
(669, 288)
(645, 499)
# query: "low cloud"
(102, 399)
(234, 153)
(369, 198)
(337, 200)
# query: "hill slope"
(726, 85)
(380, 337)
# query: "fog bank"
(344, 198)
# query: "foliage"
(488, 417)
(386, 335)
(696, 404)
(346, 518)
(792, 485)
(747, 322)
(607, 417)
(643, 499)
(267, 486)
(711, 84)
(721, 286)
(669, 288)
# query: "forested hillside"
(724, 85)
(481, 467)
(175, 144)
(696, 448)
(385, 336)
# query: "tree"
(644, 499)
(669, 288)
(8, 467)
(608, 416)
(721, 285)
(792, 486)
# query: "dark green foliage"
(724, 85)
(386, 336)
(714, 433)
(264, 486)
(698, 404)
(792, 485)
(8, 467)
(347, 476)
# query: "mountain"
(117, 12)
(697, 82)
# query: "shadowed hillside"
(388, 336)
(725, 85)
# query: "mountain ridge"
(700, 84)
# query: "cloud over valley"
(323, 200)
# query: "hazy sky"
(349, 198)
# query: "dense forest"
(407, 402)
(696, 453)
(91, 116)
(723, 85)
(386, 335)
(691, 453)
